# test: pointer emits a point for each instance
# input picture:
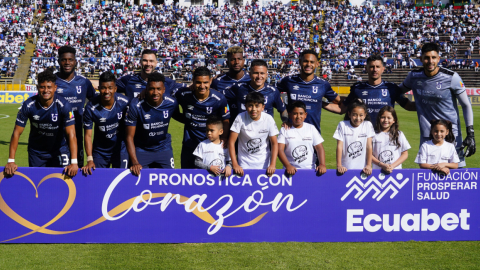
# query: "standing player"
(235, 74)
(51, 120)
(149, 144)
(107, 111)
(237, 93)
(375, 93)
(309, 88)
(436, 91)
(198, 103)
(75, 89)
(133, 85)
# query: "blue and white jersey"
(132, 85)
(237, 93)
(109, 135)
(311, 93)
(197, 112)
(76, 92)
(47, 125)
(376, 96)
(152, 124)
(435, 97)
(223, 81)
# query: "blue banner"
(40, 205)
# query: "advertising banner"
(40, 205)
(15, 97)
(30, 88)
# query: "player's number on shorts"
(126, 163)
(63, 158)
(172, 163)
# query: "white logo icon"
(60, 90)
(119, 115)
(293, 96)
(147, 116)
(138, 85)
(209, 110)
(102, 128)
(36, 117)
(165, 114)
(54, 117)
(381, 189)
(103, 120)
(190, 107)
(296, 87)
(365, 93)
(79, 89)
(146, 126)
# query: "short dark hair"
(258, 63)
(215, 120)
(46, 76)
(107, 76)
(308, 51)
(66, 49)
(148, 51)
(428, 47)
(156, 77)
(255, 97)
(296, 104)
(375, 57)
(202, 71)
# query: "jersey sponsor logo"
(373, 184)
(147, 116)
(103, 120)
(36, 117)
(190, 107)
(70, 114)
(300, 153)
(439, 85)
(386, 157)
(102, 128)
(362, 135)
(227, 109)
(461, 84)
(146, 126)
(165, 114)
(365, 93)
(354, 150)
(263, 131)
(188, 115)
(119, 115)
(253, 145)
(209, 110)
(293, 96)
(54, 117)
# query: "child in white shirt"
(210, 154)
(296, 144)
(254, 129)
(354, 140)
(439, 152)
(389, 144)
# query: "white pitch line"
(3, 116)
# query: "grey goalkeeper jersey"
(435, 97)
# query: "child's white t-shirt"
(253, 140)
(431, 154)
(212, 154)
(386, 151)
(299, 145)
(354, 143)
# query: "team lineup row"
(132, 130)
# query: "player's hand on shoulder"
(87, 169)
(321, 169)
(286, 125)
(71, 170)
(135, 169)
(290, 170)
(271, 170)
(10, 169)
(238, 170)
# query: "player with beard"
(308, 88)
(76, 89)
(133, 85)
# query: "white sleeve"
(339, 132)
(370, 130)
(273, 130)
(422, 154)
(237, 124)
(317, 138)
(453, 155)
(199, 151)
(404, 145)
(281, 136)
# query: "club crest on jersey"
(209, 110)
(119, 115)
(79, 89)
(36, 117)
(165, 114)
(439, 85)
(147, 116)
(54, 117)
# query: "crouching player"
(210, 153)
(107, 112)
(51, 118)
(254, 130)
(149, 144)
(296, 144)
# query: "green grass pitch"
(396, 255)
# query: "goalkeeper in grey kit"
(436, 91)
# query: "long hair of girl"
(450, 137)
(354, 104)
(394, 132)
